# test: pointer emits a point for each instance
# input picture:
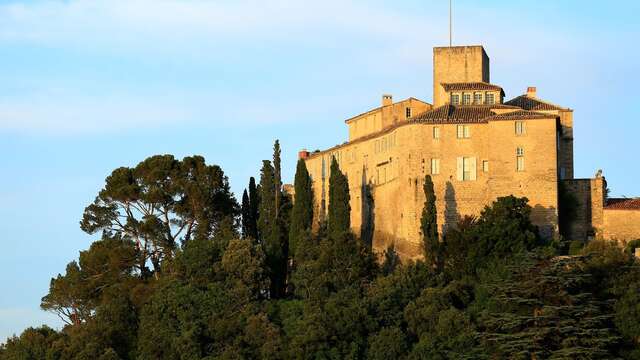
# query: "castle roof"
(448, 114)
(531, 103)
(520, 115)
(623, 204)
(471, 86)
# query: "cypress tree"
(302, 213)
(246, 215)
(429, 225)
(269, 227)
(254, 206)
(339, 215)
(277, 176)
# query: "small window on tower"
(466, 99)
(519, 127)
(489, 99)
(485, 165)
(455, 99)
(408, 112)
(436, 132)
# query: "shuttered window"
(436, 132)
(466, 168)
(463, 131)
(520, 128)
(435, 166)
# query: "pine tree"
(429, 225)
(302, 213)
(246, 215)
(339, 220)
(254, 206)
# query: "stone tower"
(457, 64)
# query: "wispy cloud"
(222, 35)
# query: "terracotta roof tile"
(470, 86)
(454, 114)
(529, 103)
(520, 115)
(623, 204)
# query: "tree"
(271, 234)
(75, 296)
(302, 212)
(505, 228)
(254, 207)
(246, 215)
(32, 344)
(339, 220)
(429, 226)
(161, 203)
(277, 176)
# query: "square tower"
(457, 64)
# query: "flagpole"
(450, 24)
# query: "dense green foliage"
(499, 291)
(302, 212)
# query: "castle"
(477, 147)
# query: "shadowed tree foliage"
(254, 206)
(162, 203)
(246, 215)
(339, 214)
(302, 212)
(429, 226)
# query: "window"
(477, 98)
(466, 99)
(436, 132)
(520, 128)
(489, 99)
(519, 159)
(485, 165)
(455, 99)
(435, 166)
(466, 168)
(408, 112)
(463, 131)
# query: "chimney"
(303, 154)
(531, 91)
(387, 99)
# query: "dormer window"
(477, 98)
(466, 99)
(489, 99)
(455, 99)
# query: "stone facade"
(476, 148)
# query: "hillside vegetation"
(182, 271)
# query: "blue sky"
(87, 86)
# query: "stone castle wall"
(394, 163)
(621, 225)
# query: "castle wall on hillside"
(390, 169)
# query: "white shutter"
(473, 168)
(460, 169)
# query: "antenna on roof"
(450, 24)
